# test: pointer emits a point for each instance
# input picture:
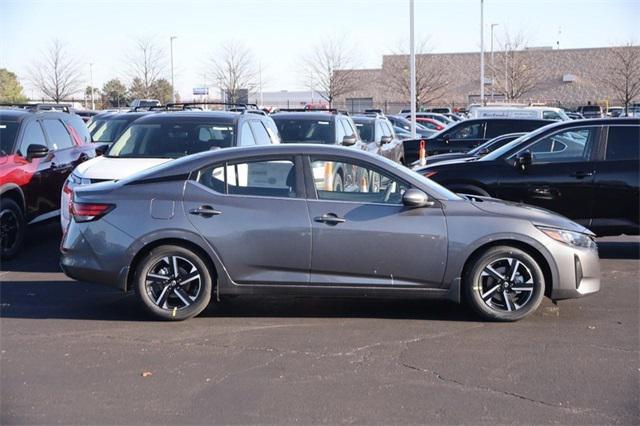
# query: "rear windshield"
(106, 130)
(171, 140)
(305, 131)
(8, 131)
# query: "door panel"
(260, 239)
(365, 236)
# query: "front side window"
(623, 143)
(565, 146)
(171, 140)
(366, 130)
(355, 182)
(272, 178)
(59, 137)
(469, 131)
(106, 130)
(32, 135)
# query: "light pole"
(93, 102)
(412, 68)
(173, 90)
(493, 69)
(482, 52)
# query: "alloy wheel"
(173, 282)
(506, 284)
(8, 229)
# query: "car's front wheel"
(173, 283)
(504, 284)
(12, 227)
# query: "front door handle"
(329, 219)
(581, 175)
(205, 211)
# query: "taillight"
(67, 189)
(86, 212)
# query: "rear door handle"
(205, 211)
(581, 175)
(329, 219)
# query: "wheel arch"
(13, 191)
(544, 259)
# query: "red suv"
(39, 147)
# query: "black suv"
(330, 127)
(462, 136)
(377, 132)
(587, 170)
(39, 147)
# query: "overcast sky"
(281, 31)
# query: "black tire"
(507, 295)
(338, 186)
(171, 305)
(12, 227)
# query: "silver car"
(269, 220)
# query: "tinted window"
(502, 127)
(305, 131)
(566, 146)
(107, 130)
(59, 138)
(171, 140)
(623, 143)
(468, 131)
(260, 133)
(275, 178)
(8, 132)
(365, 130)
(246, 136)
(340, 181)
(551, 115)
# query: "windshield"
(171, 140)
(494, 155)
(492, 144)
(106, 130)
(306, 131)
(366, 130)
(8, 132)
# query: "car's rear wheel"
(504, 284)
(173, 283)
(12, 226)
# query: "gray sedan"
(269, 220)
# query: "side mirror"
(523, 160)
(102, 149)
(349, 140)
(36, 151)
(483, 151)
(385, 139)
(415, 198)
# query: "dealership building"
(560, 77)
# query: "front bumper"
(578, 272)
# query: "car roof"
(304, 115)
(191, 117)
(15, 114)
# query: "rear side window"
(551, 115)
(59, 137)
(623, 143)
(271, 178)
(260, 133)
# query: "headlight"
(575, 239)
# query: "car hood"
(105, 168)
(536, 215)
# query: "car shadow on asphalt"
(619, 249)
(40, 253)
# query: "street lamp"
(173, 90)
(493, 69)
(482, 52)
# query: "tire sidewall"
(151, 259)
(11, 205)
(472, 276)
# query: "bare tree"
(57, 75)
(622, 75)
(234, 69)
(330, 69)
(515, 70)
(430, 74)
(147, 65)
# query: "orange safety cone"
(423, 153)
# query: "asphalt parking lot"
(81, 353)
